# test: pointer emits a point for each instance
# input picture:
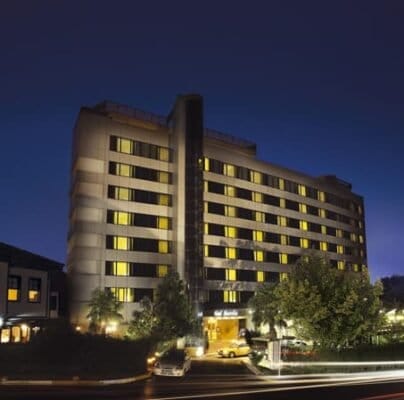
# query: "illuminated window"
(229, 296)
(323, 246)
(260, 276)
(229, 170)
(120, 268)
(323, 229)
(124, 295)
(281, 184)
(163, 246)
(34, 290)
(205, 186)
(364, 268)
(230, 231)
(258, 255)
(338, 233)
(231, 275)
(230, 191)
(321, 196)
(256, 177)
(206, 250)
(164, 177)
(282, 203)
(257, 197)
(282, 221)
(121, 243)
(123, 170)
(360, 211)
(283, 258)
(164, 154)
(303, 208)
(258, 236)
(355, 267)
(321, 213)
(354, 238)
(14, 288)
(122, 193)
(206, 164)
(124, 145)
(361, 239)
(283, 276)
(230, 211)
(205, 207)
(231, 253)
(304, 226)
(302, 190)
(121, 218)
(360, 224)
(162, 270)
(340, 249)
(341, 265)
(284, 240)
(163, 222)
(304, 243)
(163, 199)
(206, 228)
(259, 216)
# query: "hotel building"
(150, 193)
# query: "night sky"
(318, 85)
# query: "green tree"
(265, 307)
(144, 321)
(328, 306)
(104, 309)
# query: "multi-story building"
(150, 193)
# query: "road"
(224, 379)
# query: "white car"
(173, 362)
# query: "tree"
(104, 309)
(328, 306)
(265, 307)
(393, 292)
(144, 321)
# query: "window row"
(132, 171)
(124, 268)
(261, 178)
(137, 219)
(241, 193)
(14, 289)
(244, 275)
(138, 244)
(130, 295)
(141, 149)
(137, 195)
(230, 296)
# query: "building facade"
(150, 193)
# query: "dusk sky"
(318, 85)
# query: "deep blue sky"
(318, 85)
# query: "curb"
(251, 367)
(72, 382)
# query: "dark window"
(294, 241)
(272, 277)
(292, 205)
(215, 229)
(332, 247)
(243, 193)
(245, 296)
(271, 200)
(215, 187)
(311, 192)
(53, 302)
(145, 220)
(291, 187)
(244, 233)
(216, 251)
(215, 296)
(271, 219)
(271, 256)
(245, 254)
(244, 213)
(215, 208)
(331, 215)
(293, 223)
(215, 166)
(314, 244)
(314, 227)
(331, 231)
(271, 181)
(148, 245)
(216, 274)
(146, 174)
(143, 269)
(246, 275)
(271, 237)
(243, 173)
(312, 210)
(141, 293)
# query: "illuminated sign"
(225, 313)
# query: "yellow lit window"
(304, 226)
(164, 154)
(258, 236)
(206, 164)
(123, 170)
(338, 233)
(206, 228)
(121, 218)
(304, 243)
(122, 193)
(258, 255)
(284, 240)
(163, 177)
(321, 213)
(206, 250)
(341, 265)
(283, 276)
(205, 207)
(229, 296)
(230, 211)
(355, 267)
(281, 184)
(360, 211)
(230, 231)
(256, 177)
(283, 258)
(13, 294)
(162, 223)
(231, 253)
(257, 197)
(321, 196)
(229, 170)
(121, 268)
(323, 229)
(124, 145)
(303, 208)
(282, 221)
(231, 275)
(282, 203)
(33, 296)
(340, 249)
(323, 246)
(302, 190)
(260, 276)
(361, 239)
(164, 199)
(162, 270)
(360, 224)
(205, 186)
(259, 216)
(230, 191)
(121, 243)
(163, 246)
(364, 268)
(353, 237)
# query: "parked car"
(234, 349)
(173, 362)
